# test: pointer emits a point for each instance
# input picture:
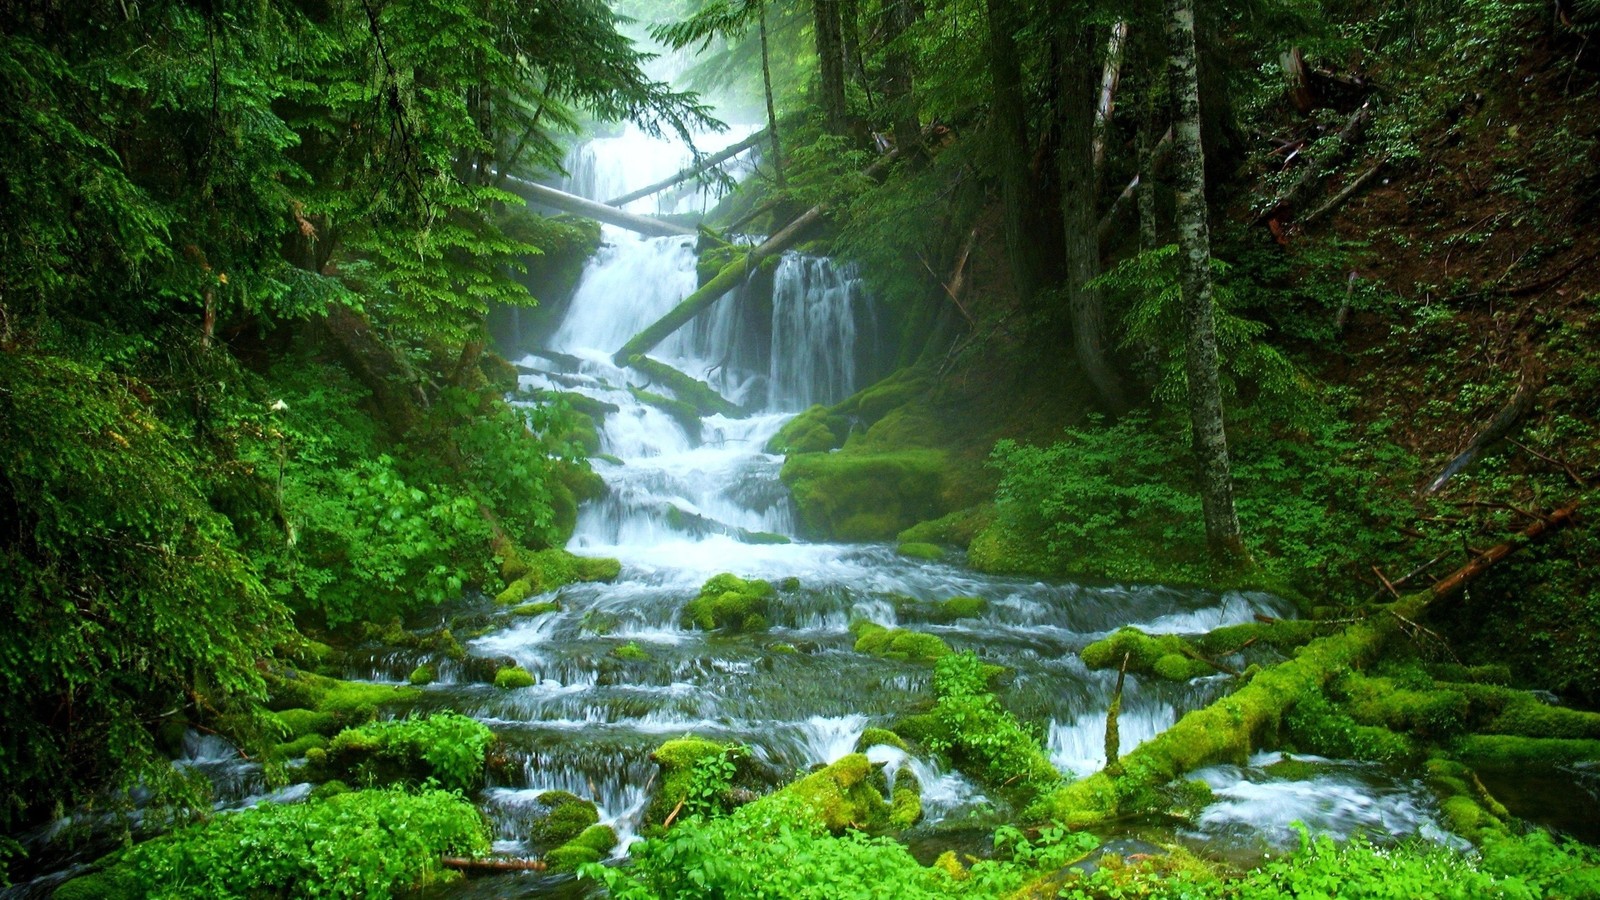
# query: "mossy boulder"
(905, 803)
(422, 675)
(567, 817)
(115, 883)
(730, 602)
(1165, 655)
(543, 607)
(344, 703)
(686, 761)
(915, 550)
(512, 677)
(297, 723)
(1469, 809)
(703, 397)
(817, 430)
(861, 496)
(898, 643)
(957, 528)
(957, 608)
(592, 845)
(546, 570)
(879, 737)
(1003, 548)
(839, 796)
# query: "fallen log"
(589, 209)
(731, 276)
(1498, 428)
(1348, 192)
(689, 172)
(1228, 730)
(687, 388)
(1315, 170)
(464, 864)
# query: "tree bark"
(899, 87)
(1011, 139)
(1194, 243)
(766, 86)
(830, 62)
(1076, 116)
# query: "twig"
(1565, 466)
(674, 814)
(1386, 583)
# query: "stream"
(684, 503)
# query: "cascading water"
(688, 499)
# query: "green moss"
(682, 412)
(958, 528)
(1318, 726)
(921, 551)
(1283, 635)
(782, 647)
(817, 430)
(1165, 655)
(959, 608)
(448, 748)
(112, 884)
(1504, 751)
(867, 496)
(899, 643)
(679, 760)
(1431, 714)
(905, 804)
(875, 737)
(1468, 808)
(547, 570)
(981, 737)
(537, 609)
(512, 677)
(1000, 548)
(703, 397)
(298, 723)
(728, 601)
(1526, 715)
(839, 796)
(348, 702)
(422, 675)
(568, 857)
(630, 651)
(299, 746)
(568, 817)
(328, 789)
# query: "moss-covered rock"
(345, 703)
(817, 430)
(114, 883)
(448, 748)
(1433, 715)
(546, 570)
(300, 746)
(297, 723)
(543, 607)
(957, 608)
(905, 804)
(1468, 808)
(930, 552)
(567, 817)
(898, 643)
(728, 601)
(867, 496)
(422, 675)
(689, 762)
(630, 652)
(511, 677)
(1165, 655)
(1001, 548)
(839, 796)
(879, 737)
(957, 528)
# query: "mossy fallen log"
(1228, 730)
(703, 397)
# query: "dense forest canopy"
(1271, 295)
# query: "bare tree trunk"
(1147, 177)
(1108, 90)
(1011, 137)
(1075, 118)
(1194, 243)
(830, 61)
(766, 85)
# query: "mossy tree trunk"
(1194, 243)
(1078, 92)
(766, 87)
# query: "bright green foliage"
(546, 570)
(1164, 655)
(111, 541)
(360, 844)
(422, 675)
(512, 677)
(448, 748)
(588, 847)
(1317, 726)
(698, 775)
(978, 733)
(957, 608)
(630, 652)
(898, 643)
(728, 601)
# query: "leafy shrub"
(360, 844)
(446, 747)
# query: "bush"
(446, 747)
(362, 844)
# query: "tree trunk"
(1147, 178)
(1011, 138)
(580, 206)
(830, 62)
(766, 86)
(1194, 244)
(1075, 120)
(850, 33)
(689, 172)
(898, 84)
